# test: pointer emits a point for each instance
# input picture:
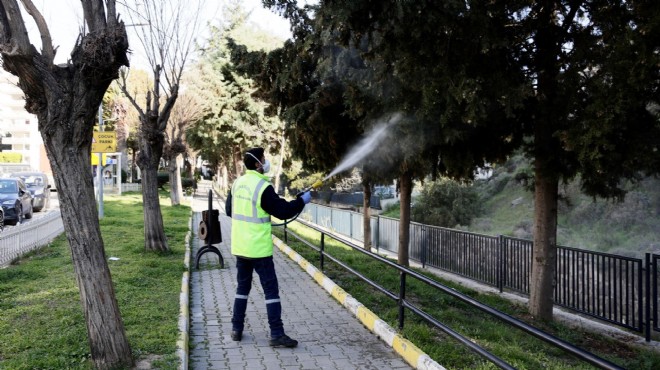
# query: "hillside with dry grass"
(630, 227)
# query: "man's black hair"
(249, 161)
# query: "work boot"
(283, 341)
(236, 335)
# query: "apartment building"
(19, 129)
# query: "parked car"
(39, 186)
(51, 182)
(16, 200)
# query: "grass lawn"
(512, 345)
(41, 319)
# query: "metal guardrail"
(403, 303)
(26, 237)
(126, 187)
(605, 286)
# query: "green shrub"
(163, 179)
(187, 183)
(446, 203)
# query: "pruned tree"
(65, 99)
(166, 31)
(187, 112)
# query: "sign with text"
(104, 142)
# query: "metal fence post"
(654, 296)
(350, 224)
(424, 242)
(500, 263)
(332, 220)
(647, 305)
(322, 250)
(286, 241)
(402, 297)
(377, 232)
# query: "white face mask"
(264, 166)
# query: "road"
(54, 205)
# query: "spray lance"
(355, 155)
(314, 186)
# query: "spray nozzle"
(314, 186)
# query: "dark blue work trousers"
(266, 271)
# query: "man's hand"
(306, 197)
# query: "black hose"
(286, 222)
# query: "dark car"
(39, 186)
(16, 200)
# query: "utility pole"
(99, 168)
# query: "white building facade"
(20, 129)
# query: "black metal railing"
(651, 289)
(403, 303)
(604, 286)
(600, 285)
(516, 258)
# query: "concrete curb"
(184, 303)
(406, 349)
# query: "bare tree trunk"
(168, 46)
(175, 181)
(65, 100)
(366, 215)
(225, 178)
(134, 175)
(544, 258)
(154, 238)
(107, 336)
(546, 178)
(405, 183)
(177, 177)
(191, 166)
(151, 144)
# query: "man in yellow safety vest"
(250, 203)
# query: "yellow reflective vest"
(250, 225)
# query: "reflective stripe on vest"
(255, 197)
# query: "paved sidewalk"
(329, 336)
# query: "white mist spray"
(365, 146)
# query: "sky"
(64, 19)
